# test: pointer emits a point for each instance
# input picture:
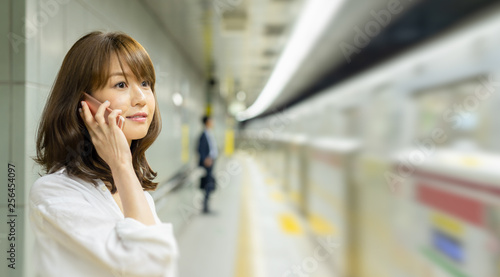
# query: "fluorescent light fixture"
(310, 26)
(236, 107)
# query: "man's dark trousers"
(209, 187)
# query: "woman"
(91, 214)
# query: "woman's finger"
(112, 118)
(99, 115)
(87, 117)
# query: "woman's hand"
(112, 146)
(108, 139)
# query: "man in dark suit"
(207, 149)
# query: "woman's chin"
(135, 136)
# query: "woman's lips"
(138, 118)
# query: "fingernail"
(106, 101)
(119, 111)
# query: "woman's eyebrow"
(118, 74)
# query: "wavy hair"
(63, 139)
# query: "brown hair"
(63, 139)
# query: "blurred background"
(356, 138)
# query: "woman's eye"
(121, 85)
(146, 83)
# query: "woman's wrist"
(131, 193)
(125, 178)
(118, 167)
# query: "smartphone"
(94, 105)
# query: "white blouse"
(80, 231)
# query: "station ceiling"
(238, 42)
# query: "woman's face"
(135, 98)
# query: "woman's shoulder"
(57, 178)
(58, 183)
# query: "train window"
(462, 110)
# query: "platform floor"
(253, 230)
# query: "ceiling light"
(241, 96)
(236, 107)
(311, 24)
(177, 99)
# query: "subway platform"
(253, 229)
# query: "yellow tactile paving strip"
(277, 196)
(244, 264)
(289, 224)
(321, 226)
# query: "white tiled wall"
(4, 43)
(27, 75)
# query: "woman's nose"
(138, 95)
